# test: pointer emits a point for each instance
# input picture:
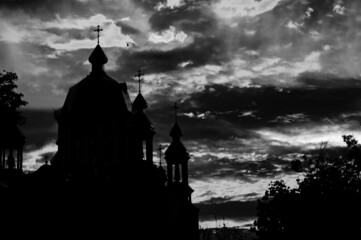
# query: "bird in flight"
(130, 43)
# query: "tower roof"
(176, 131)
(139, 103)
(98, 57)
(176, 153)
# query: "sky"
(259, 82)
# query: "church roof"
(139, 103)
(98, 57)
(97, 95)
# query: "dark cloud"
(40, 128)
(127, 29)
(45, 9)
(266, 104)
(237, 168)
(328, 81)
(222, 113)
(149, 4)
(189, 17)
(202, 51)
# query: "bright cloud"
(308, 136)
(169, 4)
(248, 8)
(36, 31)
(236, 189)
(33, 159)
(168, 36)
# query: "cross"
(139, 76)
(175, 107)
(160, 148)
(98, 30)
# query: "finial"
(139, 76)
(160, 148)
(175, 107)
(98, 30)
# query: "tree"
(10, 101)
(325, 205)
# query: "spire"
(98, 30)
(98, 58)
(176, 153)
(176, 131)
(139, 103)
(139, 76)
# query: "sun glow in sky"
(258, 81)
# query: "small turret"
(177, 156)
(144, 129)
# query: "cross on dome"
(98, 30)
(139, 76)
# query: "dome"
(98, 57)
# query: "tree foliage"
(10, 100)
(325, 205)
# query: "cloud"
(167, 36)
(248, 8)
(45, 34)
(35, 159)
(235, 189)
(169, 4)
(40, 128)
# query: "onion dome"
(98, 56)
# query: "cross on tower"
(139, 76)
(160, 148)
(175, 107)
(98, 30)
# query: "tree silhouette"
(325, 205)
(10, 101)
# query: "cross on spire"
(139, 76)
(98, 30)
(175, 107)
(160, 148)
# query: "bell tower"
(144, 130)
(183, 214)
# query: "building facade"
(105, 137)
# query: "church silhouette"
(102, 180)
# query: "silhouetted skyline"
(258, 82)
